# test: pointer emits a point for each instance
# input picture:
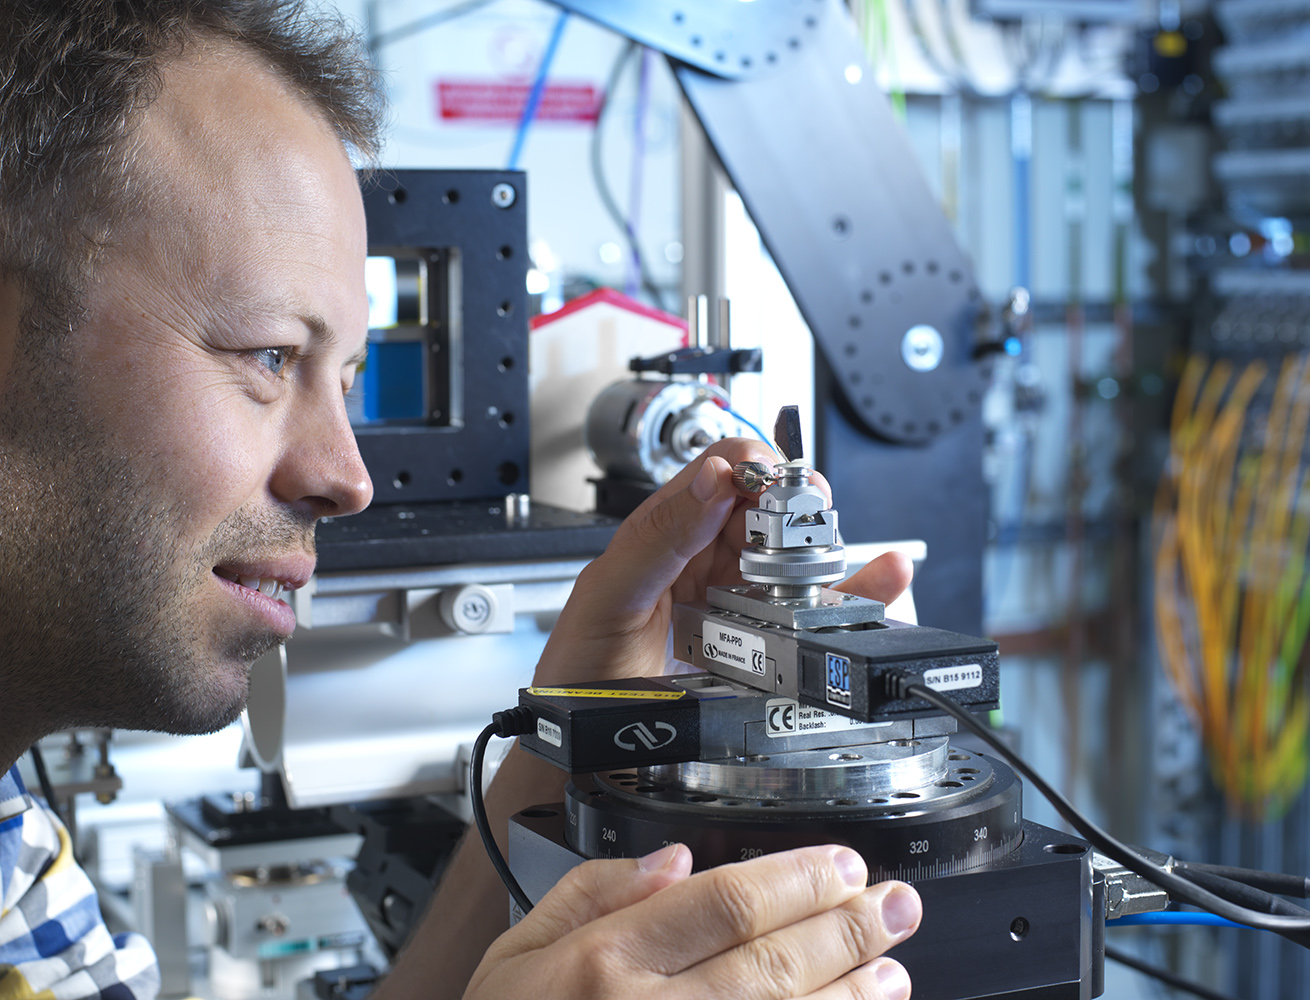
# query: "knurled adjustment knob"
(752, 476)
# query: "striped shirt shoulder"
(53, 942)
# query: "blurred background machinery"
(1125, 184)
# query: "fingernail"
(893, 981)
(852, 867)
(901, 910)
(656, 860)
(706, 483)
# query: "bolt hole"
(505, 252)
(950, 784)
(506, 363)
(505, 308)
(402, 479)
(508, 473)
(451, 197)
(1018, 929)
(506, 418)
(1064, 848)
(455, 476)
(702, 798)
(398, 196)
(905, 795)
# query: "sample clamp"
(791, 733)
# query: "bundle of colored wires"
(1232, 593)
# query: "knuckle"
(861, 932)
(741, 904)
(598, 968)
(778, 964)
(658, 522)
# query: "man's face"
(163, 467)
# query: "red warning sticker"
(502, 101)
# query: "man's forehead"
(223, 120)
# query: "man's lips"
(260, 584)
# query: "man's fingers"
(598, 888)
(656, 542)
(882, 979)
(719, 909)
(828, 949)
(882, 580)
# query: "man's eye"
(273, 358)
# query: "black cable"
(1283, 885)
(1164, 975)
(602, 184)
(422, 24)
(512, 722)
(1177, 886)
(43, 778)
(1240, 892)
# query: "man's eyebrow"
(319, 329)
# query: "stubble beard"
(103, 596)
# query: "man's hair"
(75, 77)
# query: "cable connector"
(516, 721)
(897, 686)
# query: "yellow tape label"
(599, 693)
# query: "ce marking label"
(780, 716)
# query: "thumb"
(595, 889)
(655, 543)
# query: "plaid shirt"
(53, 943)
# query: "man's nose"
(321, 467)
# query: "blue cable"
(538, 85)
(1174, 917)
(746, 423)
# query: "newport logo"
(629, 736)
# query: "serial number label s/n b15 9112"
(957, 678)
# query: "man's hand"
(796, 924)
(686, 537)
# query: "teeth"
(269, 588)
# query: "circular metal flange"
(795, 567)
(811, 778)
(967, 819)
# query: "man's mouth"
(268, 587)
